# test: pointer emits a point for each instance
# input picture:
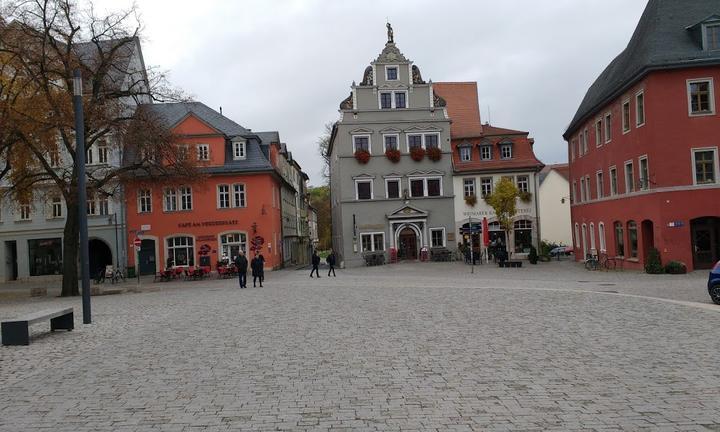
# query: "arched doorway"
(705, 238)
(408, 244)
(100, 256)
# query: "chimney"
(221, 110)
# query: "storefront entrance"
(408, 244)
(100, 256)
(705, 236)
(11, 260)
(146, 257)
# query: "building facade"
(234, 205)
(643, 145)
(554, 200)
(383, 199)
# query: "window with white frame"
(239, 195)
(426, 140)
(363, 189)
(469, 187)
(712, 37)
(582, 190)
(385, 100)
(585, 137)
(102, 151)
(232, 243)
(523, 183)
(182, 152)
(56, 207)
(592, 236)
(392, 188)
(239, 150)
(506, 151)
(391, 73)
(400, 100)
(372, 242)
(577, 235)
(644, 183)
(391, 142)
(170, 200)
(629, 177)
(437, 237)
(608, 127)
(54, 157)
(361, 142)
(103, 203)
(598, 132)
(203, 152)
(573, 193)
(223, 196)
(89, 156)
(522, 230)
(392, 99)
(181, 251)
(465, 154)
(613, 181)
(185, 198)
(701, 100)
(486, 152)
(91, 205)
(414, 141)
(486, 186)
(25, 211)
(431, 140)
(626, 116)
(144, 201)
(601, 236)
(705, 166)
(640, 109)
(425, 187)
(599, 184)
(587, 188)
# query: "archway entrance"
(408, 248)
(146, 257)
(705, 237)
(100, 256)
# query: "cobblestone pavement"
(404, 347)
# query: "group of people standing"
(330, 260)
(257, 265)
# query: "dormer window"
(239, 152)
(203, 152)
(391, 73)
(506, 151)
(465, 154)
(712, 37)
(486, 152)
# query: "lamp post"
(82, 193)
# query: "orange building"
(234, 206)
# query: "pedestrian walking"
(256, 265)
(242, 264)
(315, 264)
(331, 262)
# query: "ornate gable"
(408, 212)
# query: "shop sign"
(207, 223)
(206, 238)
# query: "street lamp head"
(77, 83)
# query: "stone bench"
(17, 331)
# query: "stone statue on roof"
(391, 38)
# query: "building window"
(144, 201)
(45, 256)
(434, 187)
(232, 243)
(89, 157)
(181, 251)
(629, 177)
(437, 237)
(363, 189)
(417, 188)
(182, 152)
(102, 152)
(700, 97)
(103, 203)
(601, 236)
(385, 100)
(486, 186)
(54, 156)
(577, 235)
(239, 152)
(608, 127)
(185, 198)
(619, 240)
(506, 151)
(600, 188)
(633, 239)
(239, 195)
(469, 187)
(572, 149)
(465, 154)
(425, 187)
(486, 152)
(582, 190)
(400, 100)
(203, 152)
(361, 142)
(586, 137)
(598, 132)
(431, 140)
(523, 183)
(712, 37)
(56, 209)
(587, 188)
(644, 183)
(705, 166)
(573, 193)
(592, 236)
(523, 235)
(392, 188)
(613, 181)
(391, 73)
(372, 242)
(223, 196)
(414, 141)
(626, 116)
(640, 109)
(170, 200)
(391, 142)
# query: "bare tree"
(323, 144)
(42, 43)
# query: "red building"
(236, 201)
(643, 146)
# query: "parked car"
(714, 283)
(561, 250)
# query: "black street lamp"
(82, 193)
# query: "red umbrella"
(486, 232)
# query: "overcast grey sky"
(286, 65)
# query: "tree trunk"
(71, 247)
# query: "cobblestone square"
(414, 347)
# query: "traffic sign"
(137, 242)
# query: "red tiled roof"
(462, 106)
(562, 169)
(523, 155)
(489, 130)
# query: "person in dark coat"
(315, 264)
(331, 262)
(242, 264)
(256, 265)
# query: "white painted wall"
(554, 200)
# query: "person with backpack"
(315, 263)
(331, 262)
(242, 264)
(256, 265)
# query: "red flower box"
(434, 154)
(393, 155)
(417, 153)
(362, 156)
